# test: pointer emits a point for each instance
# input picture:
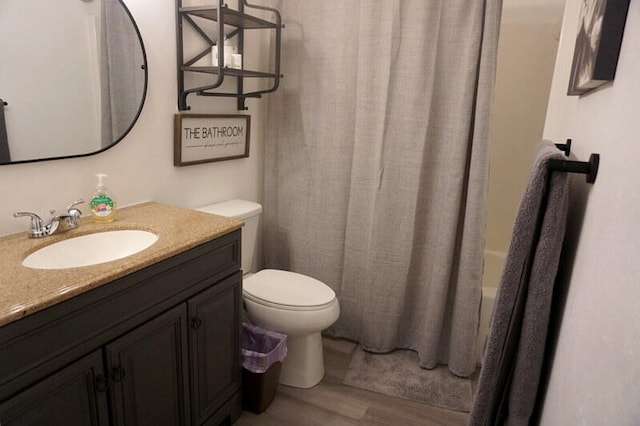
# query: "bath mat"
(398, 374)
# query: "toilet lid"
(287, 288)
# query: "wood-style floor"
(332, 403)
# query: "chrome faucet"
(55, 225)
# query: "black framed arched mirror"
(73, 78)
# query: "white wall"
(595, 376)
(140, 167)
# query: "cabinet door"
(148, 369)
(76, 395)
(214, 340)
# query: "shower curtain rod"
(588, 168)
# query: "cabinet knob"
(101, 383)
(117, 373)
(196, 323)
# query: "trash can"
(262, 354)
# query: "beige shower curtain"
(377, 163)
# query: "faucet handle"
(36, 227)
(74, 214)
(73, 211)
(34, 217)
(75, 203)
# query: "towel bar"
(565, 147)
(589, 168)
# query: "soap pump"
(102, 205)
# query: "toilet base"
(304, 365)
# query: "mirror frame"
(145, 67)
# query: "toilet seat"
(288, 291)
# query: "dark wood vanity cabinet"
(158, 347)
(148, 369)
(216, 371)
(75, 395)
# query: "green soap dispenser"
(102, 204)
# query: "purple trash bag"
(261, 348)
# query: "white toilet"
(287, 302)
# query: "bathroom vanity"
(153, 338)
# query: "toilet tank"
(247, 211)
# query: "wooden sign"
(204, 138)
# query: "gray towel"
(513, 356)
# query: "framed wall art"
(595, 58)
(204, 138)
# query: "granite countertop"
(24, 291)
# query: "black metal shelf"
(231, 17)
(224, 16)
(236, 72)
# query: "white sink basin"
(91, 249)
